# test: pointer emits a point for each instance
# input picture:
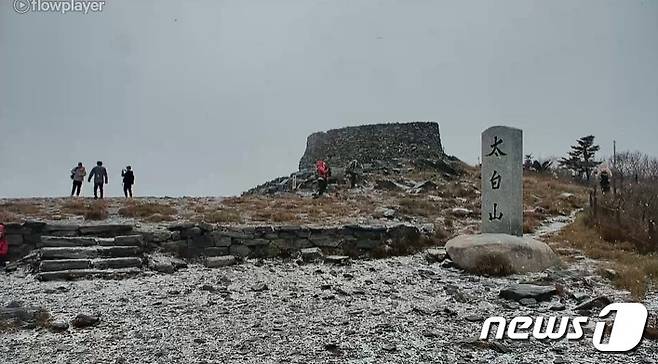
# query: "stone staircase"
(66, 258)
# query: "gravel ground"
(395, 310)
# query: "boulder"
(519, 292)
(425, 186)
(311, 254)
(165, 264)
(337, 259)
(83, 320)
(460, 212)
(59, 326)
(384, 212)
(217, 262)
(435, 255)
(500, 254)
(598, 302)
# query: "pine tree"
(581, 157)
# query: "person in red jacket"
(4, 247)
(323, 171)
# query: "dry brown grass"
(531, 221)
(542, 198)
(275, 215)
(298, 210)
(635, 271)
(222, 216)
(148, 211)
(96, 210)
(418, 206)
(91, 210)
(544, 191)
(458, 189)
(7, 216)
(21, 208)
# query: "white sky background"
(213, 97)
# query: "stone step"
(64, 264)
(105, 230)
(89, 252)
(76, 264)
(116, 263)
(87, 273)
(76, 241)
(64, 241)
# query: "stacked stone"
(188, 240)
(23, 238)
(372, 143)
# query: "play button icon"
(21, 6)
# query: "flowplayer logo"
(626, 333)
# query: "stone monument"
(501, 248)
(502, 181)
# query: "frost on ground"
(395, 310)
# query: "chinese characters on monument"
(502, 181)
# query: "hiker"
(100, 175)
(352, 172)
(323, 171)
(128, 181)
(605, 175)
(604, 178)
(4, 246)
(78, 175)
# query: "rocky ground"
(395, 310)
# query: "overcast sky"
(213, 97)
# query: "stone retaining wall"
(270, 241)
(23, 238)
(197, 240)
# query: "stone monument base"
(500, 254)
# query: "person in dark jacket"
(100, 175)
(128, 181)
